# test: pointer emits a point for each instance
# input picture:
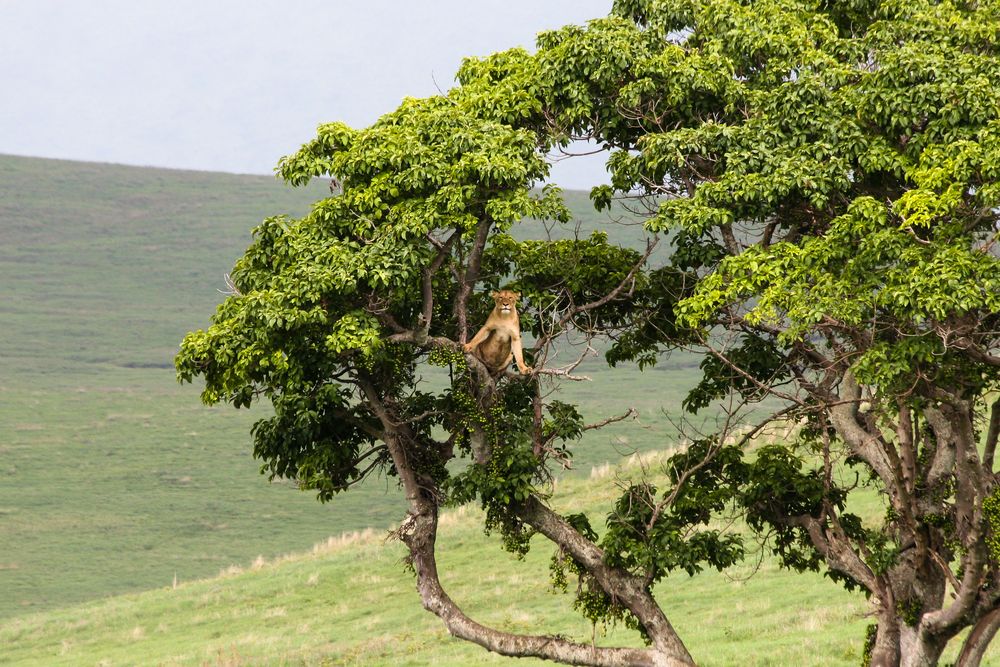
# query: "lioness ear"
(493, 295)
(517, 295)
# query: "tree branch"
(631, 412)
(952, 425)
(427, 311)
(360, 423)
(559, 372)
(419, 533)
(991, 437)
(843, 416)
(975, 645)
(469, 277)
(613, 294)
(364, 473)
(631, 591)
(837, 550)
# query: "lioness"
(500, 338)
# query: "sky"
(226, 85)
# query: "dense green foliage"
(830, 172)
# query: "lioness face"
(506, 300)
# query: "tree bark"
(419, 534)
(885, 652)
(843, 414)
(979, 640)
(469, 277)
(991, 437)
(917, 648)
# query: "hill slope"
(113, 476)
(351, 602)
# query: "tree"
(827, 174)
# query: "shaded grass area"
(112, 477)
(351, 602)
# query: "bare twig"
(631, 412)
(231, 289)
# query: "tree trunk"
(900, 645)
(917, 649)
(979, 640)
(885, 652)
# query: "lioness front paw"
(527, 370)
(467, 347)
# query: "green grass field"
(112, 477)
(350, 602)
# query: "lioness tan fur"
(499, 340)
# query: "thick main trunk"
(885, 652)
(917, 649)
(899, 645)
(947, 480)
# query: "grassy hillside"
(112, 477)
(351, 602)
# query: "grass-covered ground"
(351, 602)
(112, 477)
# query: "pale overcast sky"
(227, 85)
